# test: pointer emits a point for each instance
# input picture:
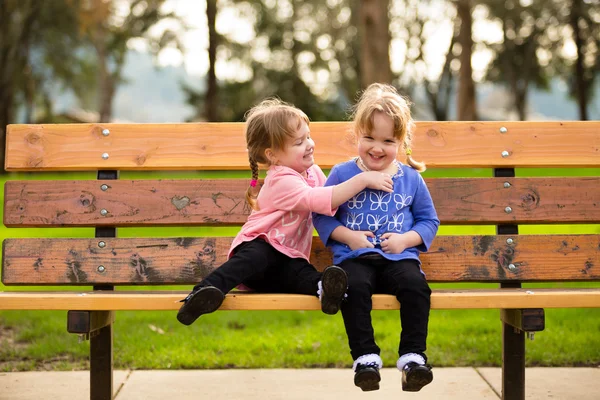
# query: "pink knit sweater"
(285, 203)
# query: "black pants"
(402, 279)
(259, 266)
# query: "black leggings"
(259, 266)
(402, 279)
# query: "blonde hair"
(268, 125)
(386, 99)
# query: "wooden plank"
(169, 300)
(209, 146)
(127, 202)
(531, 200)
(188, 260)
(221, 201)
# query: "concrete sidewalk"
(297, 384)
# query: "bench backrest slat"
(187, 260)
(221, 201)
(221, 146)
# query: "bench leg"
(101, 364)
(513, 363)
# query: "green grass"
(31, 340)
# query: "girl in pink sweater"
(271, 252)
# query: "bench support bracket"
(88, 323)
(526, 319)
(101, 344)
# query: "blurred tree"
(516, 61)
(211, 100)
(342, 53)
(291, 49)
(374, 25)
(583, 18)
(17, 20)
(108, 29)
(466, 86)
(40, 50)
(414, 22)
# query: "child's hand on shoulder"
(378, 181)
(394, 242)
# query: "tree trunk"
(580, 84)
(7, 68)
(106, 84)
(375, 42)
(211, 99)
(16, 24)
(466, 87)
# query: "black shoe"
(202, 301)
(415, 376)
(367, 377)
(334, 283)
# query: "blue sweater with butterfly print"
(409, 207)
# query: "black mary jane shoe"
(205, 300)
(366, 377)
(415, 376)
(334, 283)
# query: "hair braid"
(252, 192)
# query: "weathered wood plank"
(169, 300)
(222, 146)
(128, 203)
(221, 201)
(188, 260)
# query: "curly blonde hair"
(386, 99)
(268, 125)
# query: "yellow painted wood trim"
(210, 146)
(169, 300)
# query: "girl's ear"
(270, 154)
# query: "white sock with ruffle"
(368, 358)
(409, 357)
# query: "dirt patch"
(8, 339)
(12, 360)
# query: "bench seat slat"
(187, 260)
(440, 299)
(194, 146)
(221, 201)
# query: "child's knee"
(359, 288)
(414, 284)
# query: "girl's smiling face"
(378, 149)
(297, 153)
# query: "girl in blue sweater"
(376, 237)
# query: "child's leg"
(405, 280)
(250, 259)
(287, 275)
(356, 311)
(296, 275)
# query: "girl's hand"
(394, 242)
(378, 181)
(358, 240)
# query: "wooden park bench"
(103, 262)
